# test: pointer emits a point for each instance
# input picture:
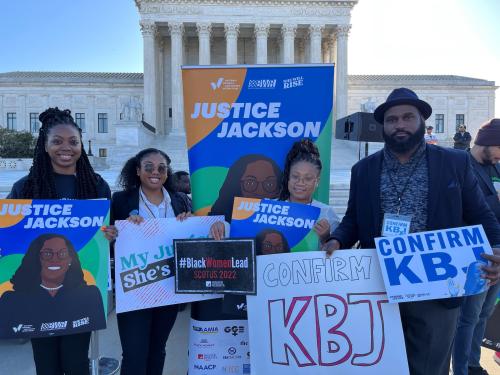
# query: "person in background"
(61, 170)
(182, 183)
(146, 195)
(407, 177)
(476, 309)
(462, 139)
(429, 137)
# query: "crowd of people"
(433, 187)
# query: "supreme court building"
(207, 32)
(121, 113)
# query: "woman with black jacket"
(61, 170)
(146, 195)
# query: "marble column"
(90, 117)
(261, 33)
(341, 89)
(331, 48)
(149, 31)
(160, 128)
(204, 30)
(176, 50)
(231, 30)
(288, 32)
(324, 51)
(315, 43)
(301, 50)
(21, 116)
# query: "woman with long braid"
(61, 170)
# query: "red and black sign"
(209, 266)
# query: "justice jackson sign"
(49, 215)
(436, 264)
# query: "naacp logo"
(204, 367)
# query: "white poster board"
(218, 347)
(315, 315)
(435, 264)
(144, 261)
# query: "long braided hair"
(303, 150)
(40, 183)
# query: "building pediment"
(246, 10)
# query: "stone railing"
(15, 164)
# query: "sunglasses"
(150, 168)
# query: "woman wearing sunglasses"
(146, 195)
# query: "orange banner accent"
(208, 86)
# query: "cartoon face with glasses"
(251, 176)
(54, 261)
(53, 257)
(271, 241)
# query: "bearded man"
(429, 188)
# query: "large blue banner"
(241, 121)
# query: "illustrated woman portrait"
(271, 241)
(251, 176)
(49, 287)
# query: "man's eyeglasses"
(49, 254)
(250, 185)
(150, 168)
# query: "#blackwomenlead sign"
(240, 123)
(53, 267)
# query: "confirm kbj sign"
(312, 314)
(436, 264)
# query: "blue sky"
(70, 35)
(459, 37)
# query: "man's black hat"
(402, 96)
